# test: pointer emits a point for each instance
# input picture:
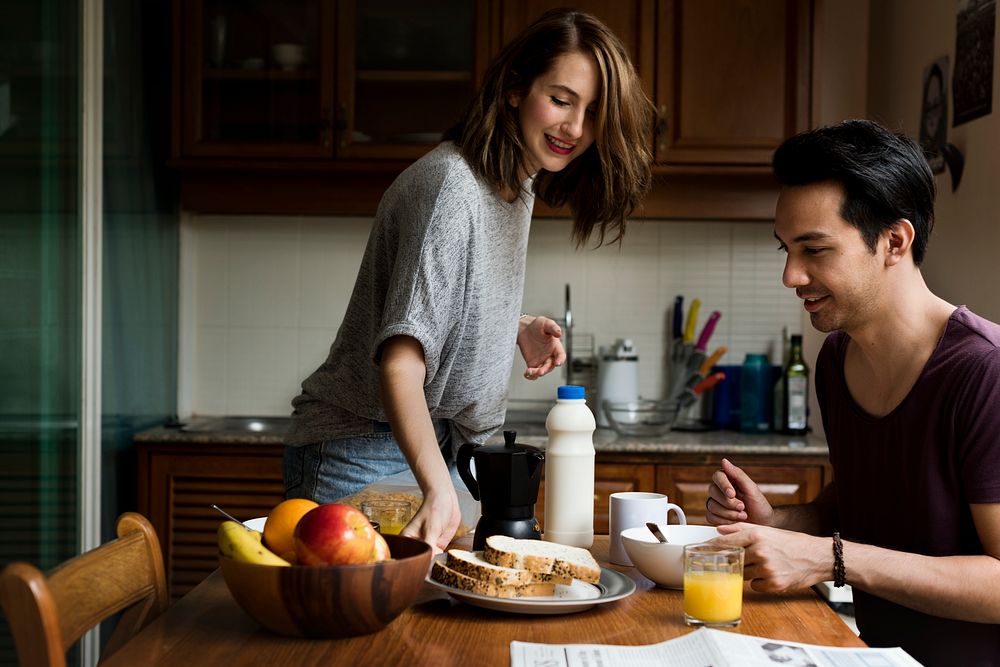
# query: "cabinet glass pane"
(414, 69)
(261, 71)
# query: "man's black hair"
(884, 175)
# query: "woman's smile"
(558, 146)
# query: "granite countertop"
(606, 440)
(270, 430)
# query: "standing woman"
(422, 360)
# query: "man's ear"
(898, 238)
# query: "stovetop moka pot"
(506, 483)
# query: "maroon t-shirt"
(905, 481)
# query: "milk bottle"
(569, 470)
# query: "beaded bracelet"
(839, 571)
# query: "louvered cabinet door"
(178, 483)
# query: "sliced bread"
(542, 557)
(449, 577)
(472, 565)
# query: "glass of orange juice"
(391, 515)
(713, 585)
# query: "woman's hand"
(437, 519)
(402, 373)
(539, 341)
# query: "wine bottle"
(795, 385)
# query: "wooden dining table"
(207, 627)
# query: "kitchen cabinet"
(258, 78)
(732, 79)
(685, 478)
(379, 82)
(783, 483)
(178, 483)
(182, 474)
(633, 21)
(323, 79)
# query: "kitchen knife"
(691, 394)
(678, 315)
(692, 320)
(713, 359)
(708, 330)
(708, 383)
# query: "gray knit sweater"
(445, 265)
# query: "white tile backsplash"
(269, 294)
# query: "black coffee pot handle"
(462, 463)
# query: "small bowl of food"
(663, 563)
(642, 417)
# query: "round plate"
(578, 596)
(256, 524)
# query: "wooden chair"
(48, 613)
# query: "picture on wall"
(972, 83)
(934, 113)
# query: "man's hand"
(734, 497)
(437, 519)
(779, 560)
(538, 339)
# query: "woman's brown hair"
(605, 184)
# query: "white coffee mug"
(635, 508)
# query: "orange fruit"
(281, 522)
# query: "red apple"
(381, 548)
(335, 534)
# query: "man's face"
(828, 264)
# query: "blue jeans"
(330, 470)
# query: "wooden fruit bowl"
(330, 600)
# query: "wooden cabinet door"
(687, 485)
(732, 78)
(255, 79)
(177, 487)
(405, 72)
(631, 20)
(608, 478)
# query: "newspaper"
(706, 648)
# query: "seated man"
(909, 390)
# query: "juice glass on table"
(391, 515)
(713, 585)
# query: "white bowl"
(664, 563)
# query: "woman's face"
(557, 114)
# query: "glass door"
(43, 474)
(40, 284)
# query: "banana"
(242, 544)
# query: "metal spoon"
(227, 515)
(655, 530)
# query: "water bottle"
(569, 470)
(755, 389)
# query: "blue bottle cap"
(571, 391)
